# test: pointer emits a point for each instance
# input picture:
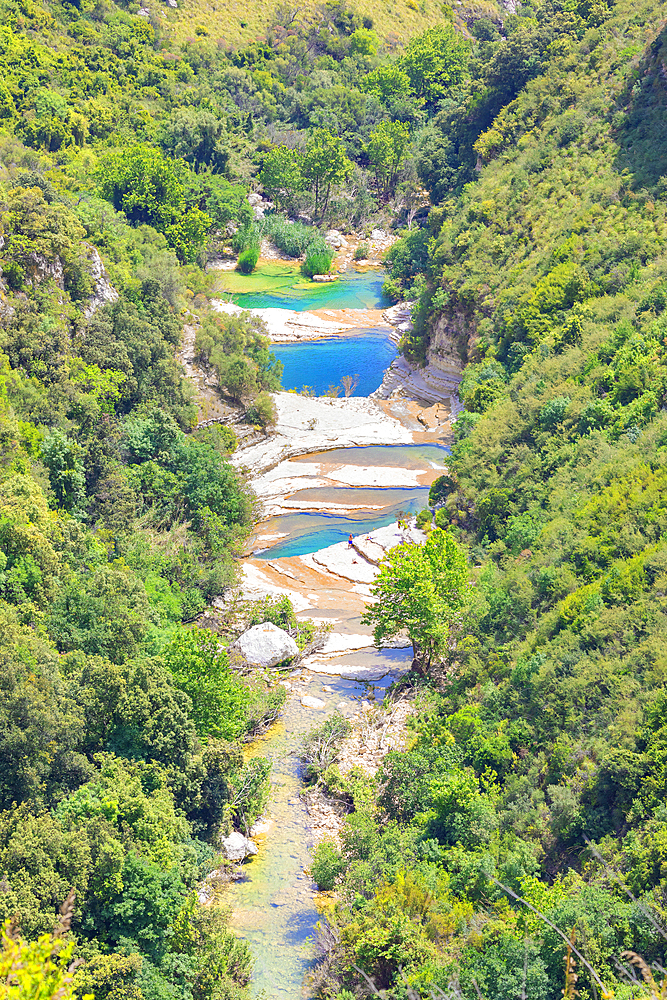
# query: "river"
(313, 502)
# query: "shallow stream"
(274, 905)
(296, 534)
(308, 531)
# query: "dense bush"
(317, 262)
(247, 261)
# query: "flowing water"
(282, 285)
(274, 905)
(319, 364)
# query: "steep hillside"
(234, 23)
(548, 273)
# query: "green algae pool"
(281, 285)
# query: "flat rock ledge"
(311, 424)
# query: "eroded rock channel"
(338, 479)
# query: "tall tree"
(281, 175)
(389, 142)
(325, 165)
(420, 589)
(435, 62)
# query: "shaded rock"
(266, 645)
(236, 847)
(259, 205)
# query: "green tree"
(364, 42)
(237, 375)
(36, 970)
(436, 62)
(325, 165)
(145, 185)
(420, 589)
(104, 613)
(201, 669)
(197, 136)
(386, 82)
(63, 459)
(282, 175)
(109, 977)
(221, 960)
(387, 146)
(188, 235)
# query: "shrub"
(442, 518)
(424, 518)
(318, 262)
(293, 238)
(247, 261)
(262, 412)
(326, 866)
(362, 252)
(392, 290)
(441, 488)
(250, 791)
(320, 747)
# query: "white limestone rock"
(236, 847)
(104, 291)
(309, 701)
(266, 645)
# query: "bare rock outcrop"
(103, 289)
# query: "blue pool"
(320, 364)
(309, 531)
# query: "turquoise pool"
(320, 364)
(282, 285)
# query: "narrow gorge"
(332, 467)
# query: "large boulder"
(266, 645)
(236, 847)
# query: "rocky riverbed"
(303, 456)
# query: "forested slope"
(127, 151)
(548, 271)
(126, 154)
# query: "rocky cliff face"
(452, 339)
